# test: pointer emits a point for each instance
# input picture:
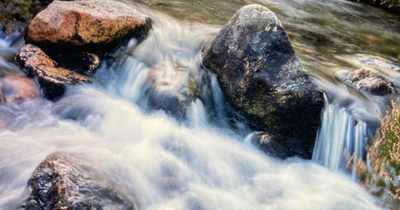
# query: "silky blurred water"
(201, 160)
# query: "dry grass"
(381, 173)
(390, 3)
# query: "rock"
(15, 14)
(18, 89)
(88, 25)
(370, 82)
(52, 79)
(261, 76)
(172, 90)
(63, 181)
(277, 146)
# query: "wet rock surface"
(370, 82)
(94, 26)
(50, 76)
(64, 181)
(262, 78)
(277, 146)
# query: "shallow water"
(166, 162)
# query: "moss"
(26, 5)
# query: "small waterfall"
(198, 116)
(164, 163)
(340, 135)
(133, 79)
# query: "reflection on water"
(319, 29)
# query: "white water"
(152, 157)
(340, 136)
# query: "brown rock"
(370, 82)
(93, 25)
(51, 78)
(17, 89)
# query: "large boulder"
(52, 78)
(261, 76)
(63, 181)
(370, 82)
(91, 25)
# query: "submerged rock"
(262, 78)
(91, 25)
(18, 89)
(173, 89)
(51, 78)
(277, 146)
(370, 82)
(63, 181)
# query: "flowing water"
(194, 156)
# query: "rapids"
(203, 161)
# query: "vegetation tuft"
(381, 173)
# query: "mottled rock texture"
(50, 76)
(64, 181)
(91, 25)
(370, 82)
(261, 76)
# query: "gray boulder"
(261, 76)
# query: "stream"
(203, 160)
